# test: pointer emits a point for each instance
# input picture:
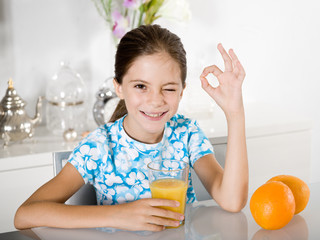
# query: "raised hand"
(228, 95)
(145, 214)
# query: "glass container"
(66, 97)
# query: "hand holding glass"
(168, 179)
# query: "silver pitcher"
(15, 124)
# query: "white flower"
(171, 164)
(109, 168)
(110, 193)
(129, 197)
(132, 153)
(175, 9)
(178, 155)
(168, 132)
(101, 187)
(121, 200)
(178, 145)
(181, 130)
(91, 165)
(147, 194)
(121, 189)
(140, 176)
(107, 202)
(205, 145)
(170, 149)
(84, 150)
(131, 179)
(123, 142)
(78, 159)
(112, 178)
(122, 162)
(145, 184)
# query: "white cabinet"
(16, 185)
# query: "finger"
(154, 228)
(157, 202)
(165, 213)
(206, 86)
(242, 73)
(226, 58)
(211, 69)
(239, 70)
(163, 221)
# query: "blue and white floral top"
(116, 165)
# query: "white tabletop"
(205, 220)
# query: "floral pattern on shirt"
(116, 165)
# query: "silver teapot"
(15, 124)
(106, 102)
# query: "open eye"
(140, 86)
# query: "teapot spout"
(38, 116)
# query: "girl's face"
(152, 89)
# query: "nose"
(156, 99)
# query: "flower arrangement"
(124, 15)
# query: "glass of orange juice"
(168, 179)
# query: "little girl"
(150, 74)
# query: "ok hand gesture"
(228, 95)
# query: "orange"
(299, 188)
(272, 205)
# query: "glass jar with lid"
(66, 97)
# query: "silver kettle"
(106, 102)
(15, 124)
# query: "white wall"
(277, 42)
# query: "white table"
(204, 220)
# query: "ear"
(118, 88)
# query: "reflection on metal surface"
(106, 102)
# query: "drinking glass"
(168, 179)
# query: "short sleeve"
(86, 158)
(198, 144)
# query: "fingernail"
(182, 217)
(177, 203)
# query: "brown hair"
(142, 41)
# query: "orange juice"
(172, 189)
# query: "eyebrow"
(145, 82)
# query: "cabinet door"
(16, 186)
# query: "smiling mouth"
(154, 115)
